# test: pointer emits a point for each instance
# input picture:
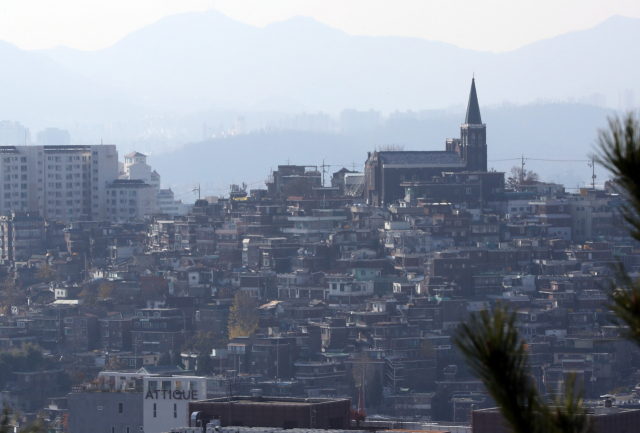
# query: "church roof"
(433, 158)
(473, 109)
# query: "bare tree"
(390, 147)
(521, 176)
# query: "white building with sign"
(166, 401)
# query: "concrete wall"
(98, 412)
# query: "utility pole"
(323, 166)
(592, 164)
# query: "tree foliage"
(521, 176)
(89, 294)
(363, 370)
(391, 147)
(205, 342)
(28, 358)
(176, 358)
(497, 355)
(204, 364)
(619, 152)
(6, 424)
(441, 410)
(114, 364)
(47, 274)
(164, 360)
(106, 290)
(243, 320)
(11, 294)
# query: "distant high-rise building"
(14, 134)
(53, 137)
(354, 121)
(241, 125)
(64, 183)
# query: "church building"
(388, 174)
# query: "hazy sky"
(493, 25)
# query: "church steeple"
(473, 135)
(473, 109)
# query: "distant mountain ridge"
(202, 60)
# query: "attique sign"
(167, 394)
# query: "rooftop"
(435, 158)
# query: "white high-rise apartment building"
(136, 168)
(64, 183)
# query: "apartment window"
(468, 191)
(175, 410)
(166, 384)
(120, 407)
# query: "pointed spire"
(473, 109)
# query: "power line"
(559, 160)
(540, 159)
